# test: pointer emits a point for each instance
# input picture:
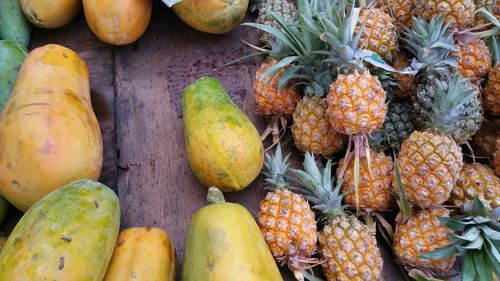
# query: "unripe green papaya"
(69, 234)
(223, 146)
(224, 243)
(12, 55)
(13, 24)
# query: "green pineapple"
(398, 126)
(282, 8)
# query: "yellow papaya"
(50, 13)
(223, 146)
(49, 134)
(118, 22)
(211, 16)
(142, 254)
(69, 235)
(224, 243)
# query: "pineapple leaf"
(403, 200)
(441, 253)
(468, 269)
(483, 270)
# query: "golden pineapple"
(476, 180)
(401, 10)
(285, 218)
(459, 12)
(356, 104)
(346, 245)
(311, 130)
(474, 59)
(379, 34)
(407, 84)
(421, 233)
(491, 93)
(375, 193)
(429, 165)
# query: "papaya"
(224, 243)
(13, 24)
(51, 13)
(68, 235)
(49, 134)
(223, 147)
(142, 254)
(118, 22)
(12, 55)
(211, 16)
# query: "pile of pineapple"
(409, 92)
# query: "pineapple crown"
(431, 43)
(478, 241)
(494, 49)
(276, 170)
(316, 186)
(456, 109)
(299, 52)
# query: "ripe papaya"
(118, 22)
(223, 146)
(142, 254)
(12, 55)
(49, 135)
(211, 16)
(13, 24)
(68, 235)
(224, 243)
(50, 13)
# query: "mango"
(223, 146)
(12, 55)
(211, 16)
(118, 22)
(50, 13)
(49, 135)
(13, 24)
(224, 243)
(142, 254)
(68, 235)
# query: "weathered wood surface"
(136, 92)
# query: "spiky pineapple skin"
(490, 6)
(379, 34)
(402, 11)
(459, 12)
(429, 165)
(356, 104)
(375, 193)
(269, 99)
(474, 59)
(486, 137)
(476, 180)
(311, 130)
(407, 84)
(491, 93)
(398, 125)
(420, 234)
(496, 158)
(282, 8)
(350, 251)
(288, 224)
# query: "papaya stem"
(215, 196)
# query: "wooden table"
(136, 94)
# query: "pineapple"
(490, 6)
(429, 164)
(401, 10)
(459, 12)
(474, 59)
(496, 158)
(421, 233)
(379, 34)
(285, 218)
(311, 130)
(486, 137)
(407, 83)
(397, 127)
(375, 193)
(346, 245)
(283, 8)
(491, 94)
(479, 181)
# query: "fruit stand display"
(183, 110)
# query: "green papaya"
(4, 209)
(12, 55)
(224, 243)
(13, 24)
(69, 234)
(223, 146)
